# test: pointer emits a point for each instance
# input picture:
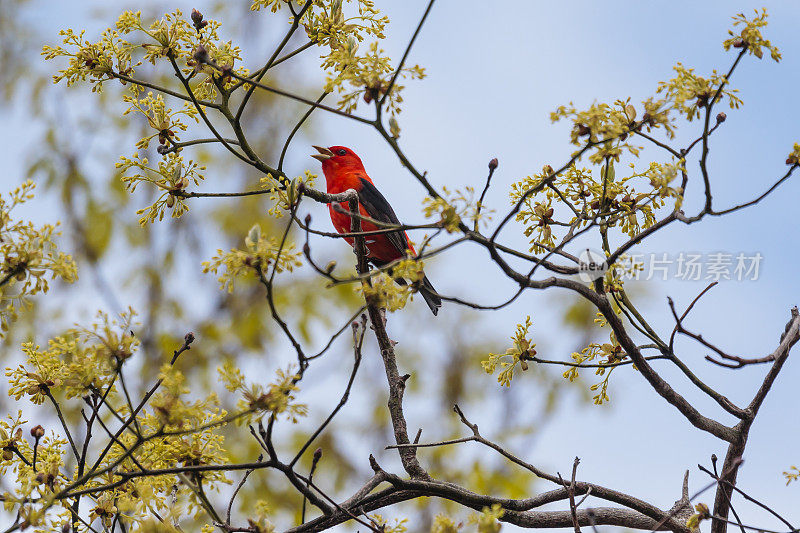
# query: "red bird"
(344, 170)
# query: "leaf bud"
(583, 130)
(739, 43)
(188, 338)
(291, 191)
(721, 117)
(630, 112)
(317, 454)
(37, 432)
(493, 163)
(394, 128)
(330, 266)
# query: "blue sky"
(495, 72)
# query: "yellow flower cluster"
(750, 36)
(607, 353)
(172, 176)
(384, 292)
(279, 398)
(162, 119)
(29, 255)
(76, 363)
(519, 353)
(629, 202)
(688, 93)
(488, 520)
(261, 252)
(454, 206)
(443, 524)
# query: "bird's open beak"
(323, 155)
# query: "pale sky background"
(495, 72)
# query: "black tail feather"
(429, 294)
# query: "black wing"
(378, 208)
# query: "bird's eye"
(342, 152)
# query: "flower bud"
(739, 43)
(583, 130)
(170, 201)
(330, 266)
(197, 20)
(37, 432)
(201, 55)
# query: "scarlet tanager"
(344, 170)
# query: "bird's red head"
(335, 158)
